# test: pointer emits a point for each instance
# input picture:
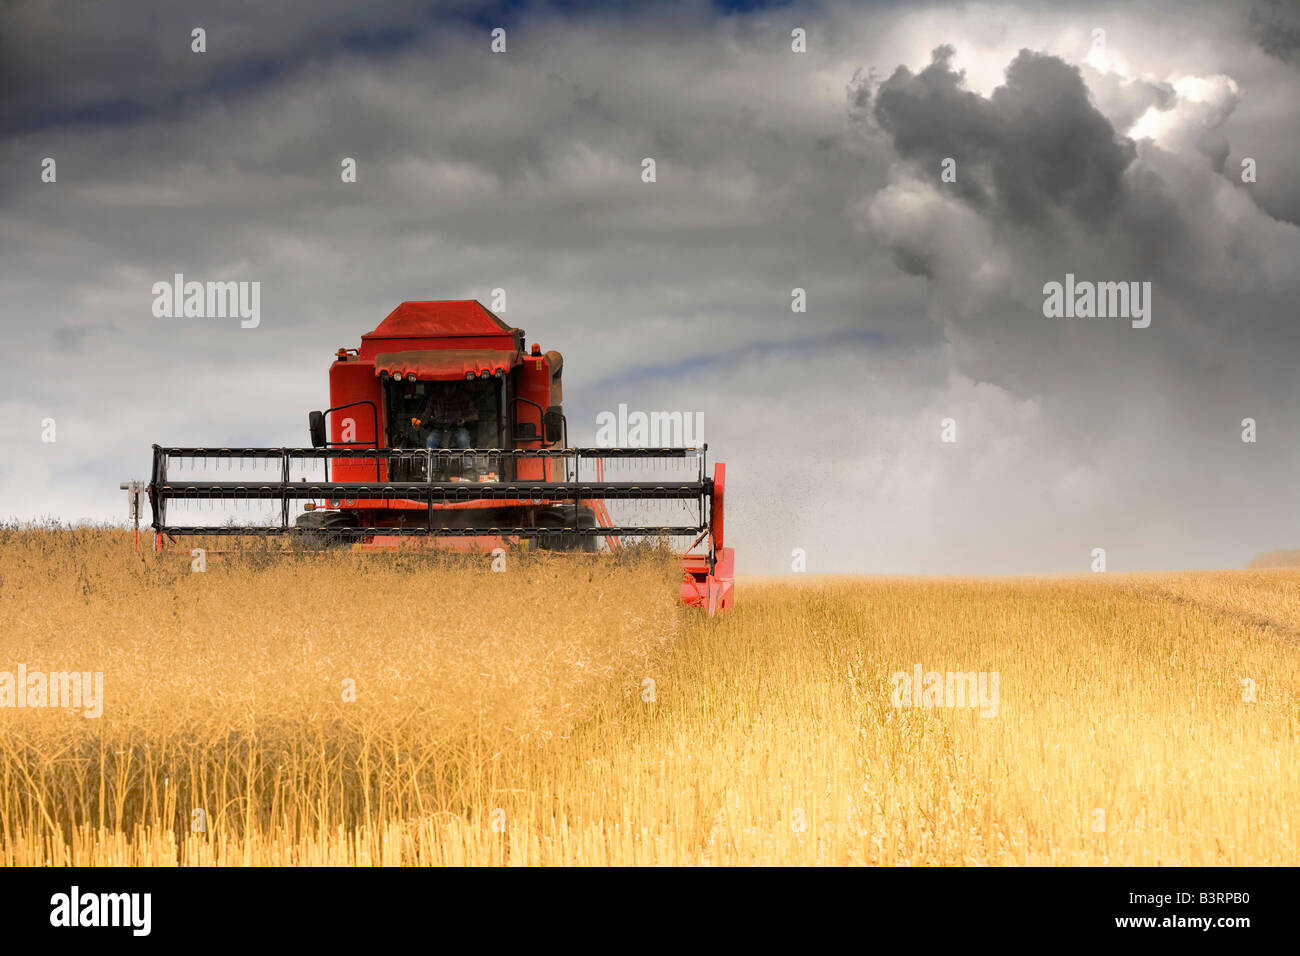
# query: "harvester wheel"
(323, 527)
(563, 518)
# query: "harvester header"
(443, 430)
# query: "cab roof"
(443, 318)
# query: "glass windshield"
(451, 415)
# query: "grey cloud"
(1127, 99)
(1276, 26)
(1036, 145)
(65, 63)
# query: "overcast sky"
(1114, 156)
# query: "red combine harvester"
(444, 430)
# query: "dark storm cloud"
(1035, 146)
(66, 63)
(1276, 26)
(1058, 189)
(1044, 160)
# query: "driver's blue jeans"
(450, 436)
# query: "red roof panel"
(454, 317)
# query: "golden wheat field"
(417, 709)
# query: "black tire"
(323, 528)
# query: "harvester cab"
(444, 430)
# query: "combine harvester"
(387, 468)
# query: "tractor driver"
(448, 413)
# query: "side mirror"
(553, 423)
(316, 425)
(525, 431)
